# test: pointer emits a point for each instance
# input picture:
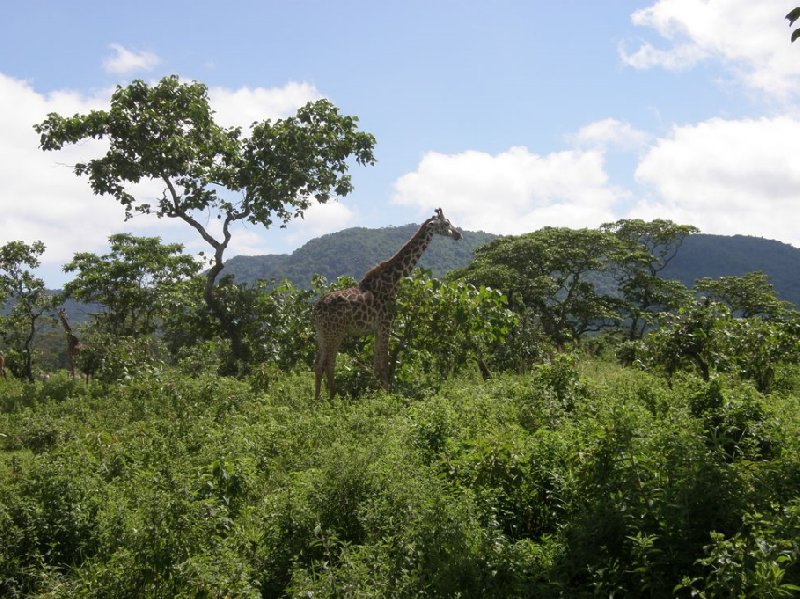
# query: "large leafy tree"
(443, 326)
(28, 298)
(132, 282)
(551, 277)
(166, 133)
(646, 249)
(747, 295)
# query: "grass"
(580, 478)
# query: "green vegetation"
(30, 299)
(166, 133)
(579, 478)
(793, 15)
(132, 283)
(352, 252)
(663, 465)
(564, 420)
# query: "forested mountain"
(715, 256)
(354, 251)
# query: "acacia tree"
(29, 300)
(646, 250)
(131, 282)
(747, 296)
(166, 133)
(552, 277)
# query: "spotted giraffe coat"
(369, 308)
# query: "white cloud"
(727, 177)
(125, 62)
(516, 191)
(243, 106)
(609, 133)
(320, 219)
(679, 58)
(750, 38)
(42, 199)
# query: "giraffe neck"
(67, 328)
(383, 279)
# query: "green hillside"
(720, 255)
(354, 251)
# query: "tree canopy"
(30, 301)
(793, 15)
(166, 133)
(552, 273)
(130, 282)
(646, 249)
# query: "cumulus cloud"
(244, 106)
(515, 191)
(750, 38)
(41, 198)
(125, 61)
(679, 58)
(727, 177)
(609, 133)
(320, 219)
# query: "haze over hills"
(355, 250)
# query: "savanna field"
(580, 478)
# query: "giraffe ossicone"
(369, 308)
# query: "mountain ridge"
(355, 250)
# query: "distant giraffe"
(370, 307)
(74, 346)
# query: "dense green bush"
(579, 478)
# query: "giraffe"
(74, 346)
(369, 308)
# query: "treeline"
(521, 299)
(352, 252)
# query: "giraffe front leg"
(325, 364)
(381, 362)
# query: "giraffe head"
(441, 226)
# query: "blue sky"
(510, 115)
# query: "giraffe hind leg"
(319, 367)
(327, 363)
(381, 359)
(330, 369)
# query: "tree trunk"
(239, 359)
